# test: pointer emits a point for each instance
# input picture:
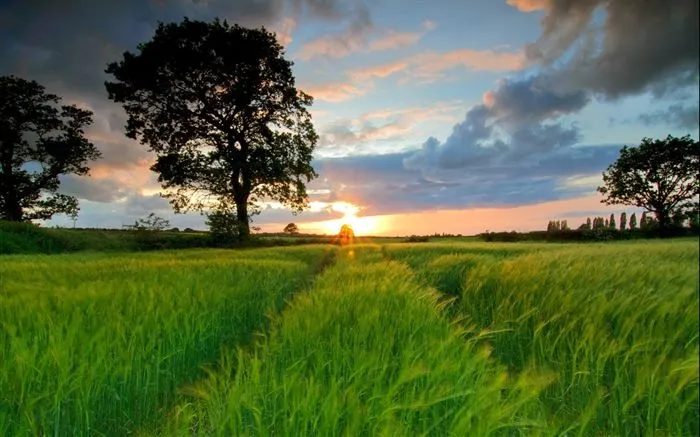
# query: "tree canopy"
(291, 228)
(219, 107)
(39, 141)
(660, 176)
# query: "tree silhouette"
(346, 234)
(219, 107)
(36, 132)
(623, 221)
(658, 175)
(291, 228)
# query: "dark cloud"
(91, 189)
(532, 99)
(384, 185)
(140, 205)
(677, 115)
(639, 44)
(509, 128)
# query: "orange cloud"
(284, 29)
(528, 5)
(334, 92)
(394, 40)
(431, 66)
(359, 40)
(380, 71)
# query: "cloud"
(677, 115)
(383, 184)
(93, 190)
(334, 91)
(636, 46)
(361, 36)
(426, 66)
(509, 127)
(528, 5)
(382, 126)
(520, 126)
(431, 66)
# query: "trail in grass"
(97, 345)
(366, 351)
(616, 324)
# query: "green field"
(424, 339)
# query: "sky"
(455, 116)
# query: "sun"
(360, 225)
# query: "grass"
(97, 344)
(374, 357)
(429, 339)
(617, 324)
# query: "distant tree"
(633, 221)
(607, 224)
(612, 222)
(588, 223)
(564, 225)
(658, 175)
(152, 223)
(623, 221)
(223, 224)
(291, 228)
(346, 234)
(219, 107)
(73, 215)
(39, 141)
(174, 229)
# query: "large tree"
(660, 176)
(219, 107)
(39, 141)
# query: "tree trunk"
(13, 211)
(243, 222)
(663, 218)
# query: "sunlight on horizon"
(361, 226)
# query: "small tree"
(564, 225)
(633, 221)
(152, 223)
(73, 215)
(658, 175)
(346, 234)
(588, 223)
(36, 132)
(291, 229)
(623, 221)
(223, 225)
(612, 222)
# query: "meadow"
(402, 339)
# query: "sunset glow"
(362, 226)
